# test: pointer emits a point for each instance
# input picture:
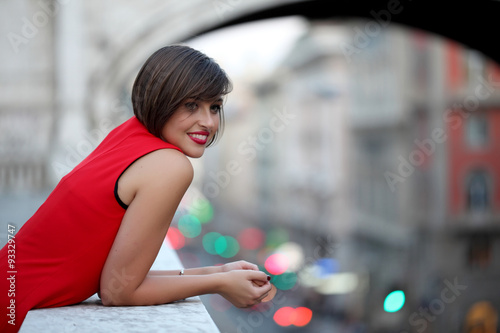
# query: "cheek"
(169, 133)
(216, 122)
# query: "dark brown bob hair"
(171, 75)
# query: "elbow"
(107, 302)
(109, 298)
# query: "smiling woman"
(165, 82)
(196, 121)
(101, 228)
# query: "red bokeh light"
(277, 263)
(301, 317)
(251, 238)
(175, 238)
(283, 316)
(287, 316)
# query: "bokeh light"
(301, 316)
(202, 209)
(283, 316)
(251, 238)
(294, 253)
(189, 225)
(324, 276)
(276, 237)
(394, 301)
(309, 276)
(287, 316)
(209, 242)
(227, 246)
(339, 283)
(175, 238)
(277, 263)
(285, 281)
(327, 266)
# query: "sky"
(252, 48)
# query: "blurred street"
(359, 164)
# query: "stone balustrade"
(189, 315)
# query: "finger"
(248, 265)
(261, 283)
(259, 276)
(252, 267)
(262, 297)
(258, 283)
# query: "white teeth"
(198, 136)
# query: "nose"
(208, 119)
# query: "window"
(476, 131)
(477, 191)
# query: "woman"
(102, 227)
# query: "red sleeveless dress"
(57, 256)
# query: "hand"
(238, 265)
(244, 288)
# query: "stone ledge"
(189, 315)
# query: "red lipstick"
(200, 137)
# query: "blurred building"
(472, 210)
(302, 175)
(425, 201)
(377, 157)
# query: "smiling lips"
(199, 137)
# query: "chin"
(194, 154)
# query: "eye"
(216, 108)
(191, 106)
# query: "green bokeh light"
(394, 301)
(189, 226)
(209, 242)
(202, 209)
(227, 246)
(285, 281)
(276, 237)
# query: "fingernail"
(268, 278)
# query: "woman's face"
(193, 125)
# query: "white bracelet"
(181, 272)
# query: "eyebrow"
(220, 99)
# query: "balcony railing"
(189, 315)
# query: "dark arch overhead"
(471, 23)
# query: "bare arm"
(160, 180)
(242, 288)
(241, 264)
(190, 271)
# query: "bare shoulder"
(164, 165)
(155, 171)
(167, 159)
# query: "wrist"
(220, 282)
(204, 270)
(216, 269)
